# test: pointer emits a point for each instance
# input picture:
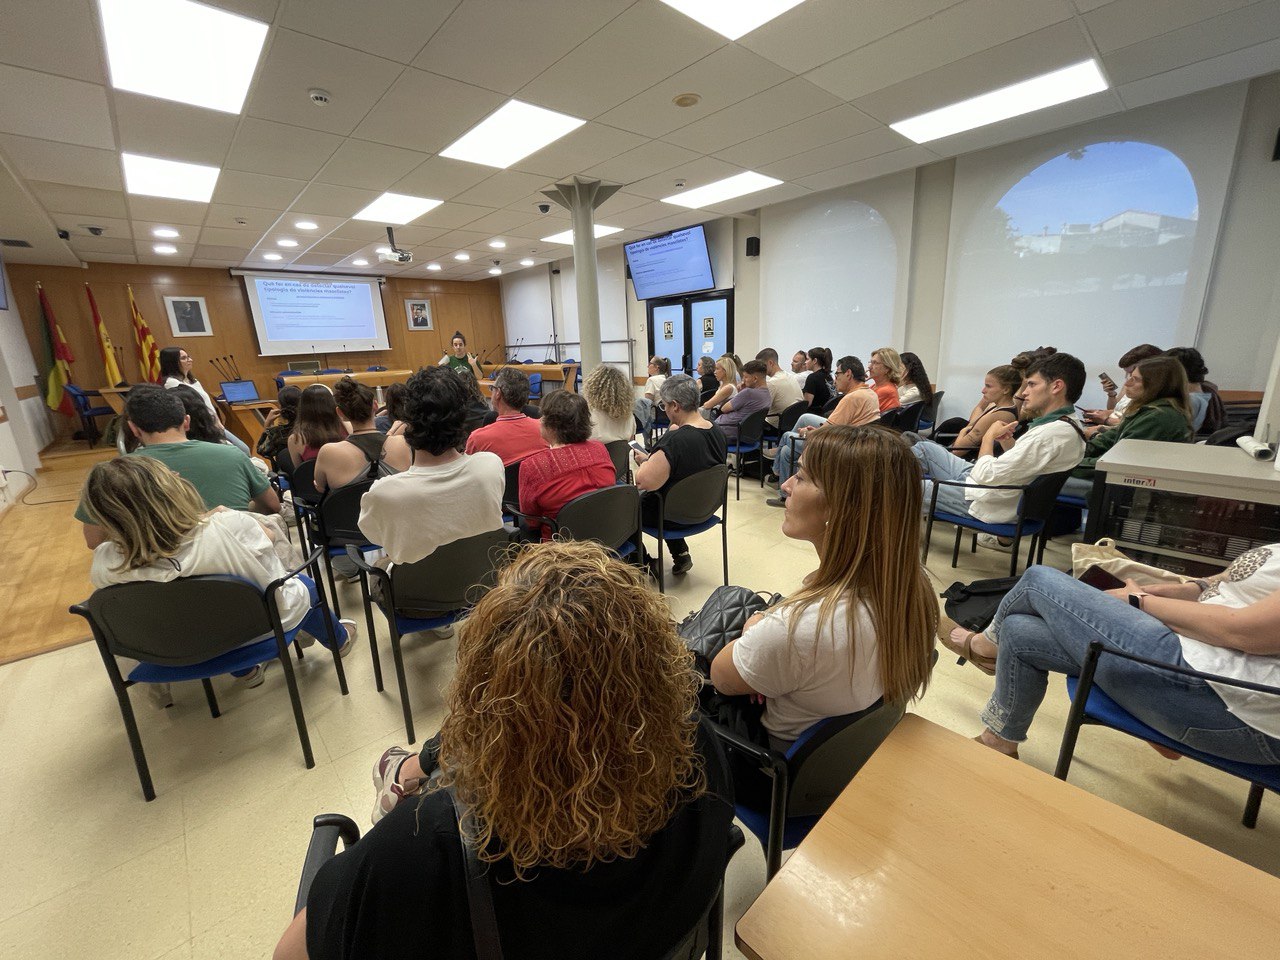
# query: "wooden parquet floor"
(44, 566)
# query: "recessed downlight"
(526, 262)
(165, 233)
(285, 242)
(462, 256)
(167, 249)
(361, 263)
(272, 256)
(306, 225)
(498, 244)
(433, 267)
(494, 271)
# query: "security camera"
(64, 235)
(96, 231)
(679, 184)
(544, 208)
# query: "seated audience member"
(1023, 361)
(390, 419)
(513, 435)
(599, 814)
(862, 626)
(886, 373)
(318, 423)
(816, 390)
(155, 527)
(279, 423)
(175, 370)
(609, 397)
(752, 398)
(444, 495)
(1054, 442)
(726, 374)
(647, 405)
(784, 391)
(459, 359)
(572, 464)
(708, 384)
(1199, 396)
(201, 424)
(1115, 409)
(996, 405)
(1158, 410)
(366, 451)
(478, 412)
(690, 446)
(914, 387)
(1228, 625)
(858, 406)
(800, 366)
(223, 476)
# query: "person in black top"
(692, 445)
(603, 816)
(707, 382)
(817, 386)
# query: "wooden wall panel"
(474, 307)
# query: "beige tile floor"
(209, 869)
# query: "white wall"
(27, 430)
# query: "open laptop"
(240, 391)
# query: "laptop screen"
(239, 391)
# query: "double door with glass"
(684, 329)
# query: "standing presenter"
(460, 360)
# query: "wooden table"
(374, 378)
(113, 397)
(247, 420)
(565, 374)
(941, 847)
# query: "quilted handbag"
(972, 605)
(720, 620)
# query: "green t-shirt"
(224, 476)
(459, 364)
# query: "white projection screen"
(302, 313)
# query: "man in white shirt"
(1053, 443)
(783, 388)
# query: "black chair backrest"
(827, 761)
(908, 419)
(303, 483)
(619, 453)
(512, 492)
(788, 417)
(930, 414)
(282, 463)
(168, 623)
(339, 514)
(1039, 500)
(454, 576)
(751, 430)
(610, 515)
(1227, 436)
(695, 498)
(831, 404)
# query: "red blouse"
(551, 478)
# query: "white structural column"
(580, 196)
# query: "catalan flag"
(109, 365)
(148, 349)
(59, 357)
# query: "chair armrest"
(362, 562)
(981, 486)
(326, 829)
(532, 521)
(1187, 672)
(762, 755)
(307, 561)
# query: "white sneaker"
(254, 678)
(442, 633)
(353, 634)
(159, 695)
(992, 542)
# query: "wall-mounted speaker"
(753, 243)
(1275, 154)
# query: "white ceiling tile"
(676, 221)
(1127, 22)
(297, 63)
(280, 150)
(619, 203)
(500, 221)
(54, 108)
(333, 246)
(463, 240)
(503, 45)
(639, 48)
(645, 212)
(821, 30)
(174, 131)
(310, 259)
(779, 194)
(256, 189)
(411, 235)
(907, 158)
(426, 112)
(77, 224)
(1209, 38)
(52, 36)
(724, 77)
(94, 203)
(360, 231)
(441, 178)
(1084, 6)
(864, 145)
(230, 237)
(215, 252)
(107, 258)
(956, 32)
(447, 216)
(1203, 75)
(164, 210)
(786, 103)
(590, 144)
(644, 161)
(695, 173)
(333, 200)
(397, 29)
(228, 215)
(216, 264)
(260, 10)
(503, 188)
(838, 123)
(374, 166)
(536, 229)
(63, 162)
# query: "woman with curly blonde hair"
(594, 795)
(611, 400)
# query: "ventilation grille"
(14, 243)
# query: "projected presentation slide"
(316, 310)
(671, 264)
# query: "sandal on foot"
(946, 626)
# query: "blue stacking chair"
(87, 412)
(535, 386)
(1089, 704)
(609, 516)
(377, 367)
(750, 440)
(152, 622)
(279, 377)
(693, 503)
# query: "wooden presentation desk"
(941, 847)
(374, 378)
(245, 420)
(565, 374)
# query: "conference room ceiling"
(806, 98)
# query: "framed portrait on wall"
(188, 316)
(418, 313)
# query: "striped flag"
(59, 357)
(148, 349)
(104, 343)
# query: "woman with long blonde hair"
(594, 796)
(727, 375)
(611, 398)
(861, 627)
(887, 370)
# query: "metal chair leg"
(1252, 806)
(373, 637)
(955, 551)
(299, 720)
(333, 586)
(398, 658)
(135, 744)
(333, 637)
(211, 697)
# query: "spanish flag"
(104, 343)
(59, 357)
(148, 349)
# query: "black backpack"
(973, 605)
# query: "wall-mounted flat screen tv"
(670, 264)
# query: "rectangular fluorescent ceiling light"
(1047, 90)
(567, 236)
(511, 133)
(177, 50)
(397, 208)
(722, 190)
(733, 18)
(153, 177)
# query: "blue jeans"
(783, 465)
(1075, 487)
(1046, 623)
(942, 464)
(313, 624)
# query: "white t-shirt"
(607, 430)
(1252, 576)
(908, 393)
(653, 385)
(1049, 448)
(820, 675)
(230, 542)
(411, 513)
(172, 382)
(783, 392)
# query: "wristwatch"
(1135, 600)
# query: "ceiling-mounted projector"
(395, 254)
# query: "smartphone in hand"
(1100, 579)
(1108, 384)
(637, 446)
